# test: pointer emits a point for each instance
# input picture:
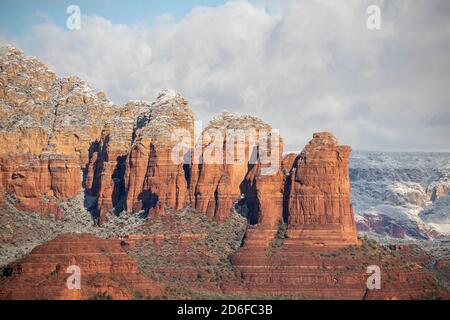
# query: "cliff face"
(60, 136)
(156, 177)
(47, 126)
(38, 182)
(105, 174)
(228, 149)
(41, 112)
(320, 209)
(310, 192)
(141, 156)
(59, 128)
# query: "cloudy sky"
(303, 66)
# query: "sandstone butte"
(60, 138)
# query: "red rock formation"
(288, 162)
(313, 272)
(156, 176)
(264, 197)
(47, 125)
(218, 177)
(38, 182)
(311, 191)
(105, 268)
(53, 129)
(106, 169)
(320, 210)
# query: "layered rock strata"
(310, 192)
(106, 271)
(156, 173)
(106, 169)
(229, 147)
(47, 127)
(132, 160)
(312, 272)
(39, 182)
(320, 209)
(60, 137)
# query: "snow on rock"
(438, 215)
(402, 195)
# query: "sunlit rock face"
(65, 148)
(310, 192)
(320, 209)
(62, 137)
(156, 177)
(47, 127)
(106, 169)
(229, 148)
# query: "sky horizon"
(303, 66)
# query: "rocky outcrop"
(156, 174)
(130, 158)
(106, 170)
(48, 125)
(38, 182)
(265, 200)
(310, 192)
(106, 270)
(320, 209)
(438, 190)
(41, 112)
(60, 138)
(265, 197)
(228, 148)
(125, 153)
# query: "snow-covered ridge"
(168, 112)
(401, 194)
(228, 120)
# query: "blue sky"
(17, 16)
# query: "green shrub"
(280, 236)
(138, 295)
(101, 296)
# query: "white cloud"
(304, 66)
